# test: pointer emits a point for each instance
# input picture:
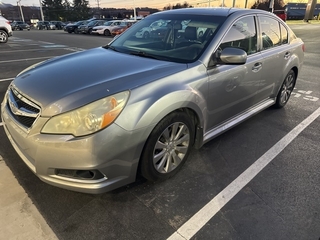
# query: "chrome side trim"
(237, 120)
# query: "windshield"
(92, 23)
(108, 23)
(172, 37)
(124, 24)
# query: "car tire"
(286, 89)
(3, 36)
(167, 147)
(69, 31)
(76, 31)
(107, 32)
(90, 31)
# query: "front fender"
(147, 113)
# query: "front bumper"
(113, 153)
(98, 32)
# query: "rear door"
(276, 53)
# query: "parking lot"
(259, 180)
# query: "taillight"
(303, 47)
(7, 22)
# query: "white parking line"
(6, 79)
(26, 59)
(45, 42)
(197, 221)
(1, 124)
(32, 50)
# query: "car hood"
(65, 83)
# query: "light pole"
(134, 11)
(19, 4)
(41, 12)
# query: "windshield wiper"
(143, 54)
(111, 47)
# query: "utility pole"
(246, 4)
(310, 10)
(98, 3)
(41, 12)
(271, 6)
(134, 11)
(19, 4)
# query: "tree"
(81, 9)
(264, 5)
(177, 6)
(53, 9)
(67, 10)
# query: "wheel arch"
(295, 70)
(4, 29)
(147, 113)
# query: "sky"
(159, 4)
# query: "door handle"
(256, 67)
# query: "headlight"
(89, 118)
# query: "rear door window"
(270, 31)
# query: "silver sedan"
(146, 102)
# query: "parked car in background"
(73, 27)
(282, 14)
(145, 32)
(52, 26)
(19, 25)
(57, 25)
(122, 27)
(43, 25)
(5, 30)
(146, 103)
(106, 28)
(87, 28)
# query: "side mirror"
(231, 55)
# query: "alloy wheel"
(171, 147)
(287, 88)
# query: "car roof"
(216, 11)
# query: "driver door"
(233, 88)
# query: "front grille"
(25, 121)
(23, 104)
(22, 110)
